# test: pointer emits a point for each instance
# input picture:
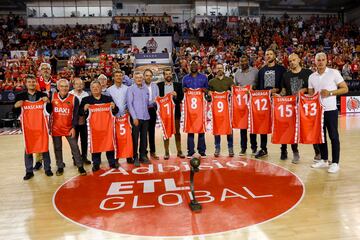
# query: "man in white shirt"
(329, 83)
(80, 129)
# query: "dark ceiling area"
(298, 5)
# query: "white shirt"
(329, 81)
(150, 91)
(79, 97)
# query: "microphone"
(194, 205)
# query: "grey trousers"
(29, 161)
(75, 151)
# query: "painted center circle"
(153, 200)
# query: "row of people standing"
(139, 101)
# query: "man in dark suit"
(175, 88)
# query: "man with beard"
(245, 76)
(269, 78)
(221, 83)
(295, 81)
(195, 80)
(175, 88)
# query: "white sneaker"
(334, 168)
(320, 164)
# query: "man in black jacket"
(32, 95)
(175, 88)
(96, 98)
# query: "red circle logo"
(153, 200)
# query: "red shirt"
(34, 124)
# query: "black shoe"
(82, 171)
(242, 152)
(37, 166)
(283, 155)
(253, 151)
(49, 173)
(180, 155)
(261, 153)
(60, 172)
(28, 176)
(115, 165)
(166, 156)
(136, 162)
(145, 160)
(95, 168)
(130, 160)
(86, 161)
(203, 155)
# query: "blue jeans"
(191, 145)
(229, 141)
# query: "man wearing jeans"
(195, 80)
(329, 83)
(221, 83)
(245, 76)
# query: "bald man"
(294, 81)
(329, 83)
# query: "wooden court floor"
(330, 208)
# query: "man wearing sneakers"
(330, 84)
(294, 81)
(195, 80)
(269, 79)
(245, 76)
(64, 111)
(221, 83)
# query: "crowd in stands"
(62, 40)
(215, 41)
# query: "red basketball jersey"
(220, 109)
(194, 111)
(100, 124)
(124, 144)
(285, 124)
(311, 119)
(34, 123)
(43, 86)
(260, 112)
(62, 115)
(240, 107)
(166, 113)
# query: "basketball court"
(241, 197)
